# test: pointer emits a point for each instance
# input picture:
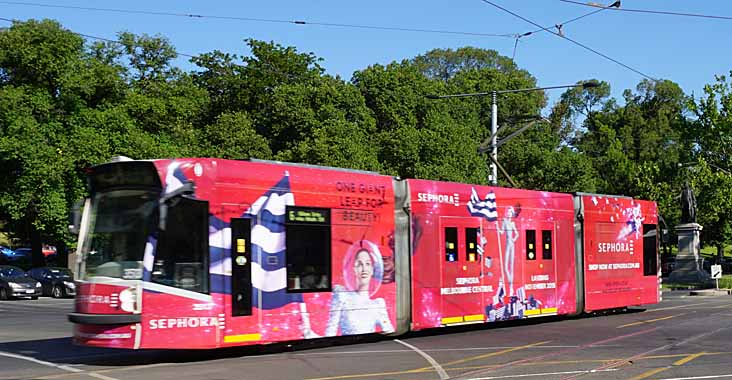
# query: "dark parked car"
(55, 282)
(16, 283)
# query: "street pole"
(494, 146)
(493, 175)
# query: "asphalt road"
(684, 337)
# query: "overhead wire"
(650, 11)
(566, 22)
(570, 40)
(558, 26)
(100, 38)
(253, 19)
(516, 36)
(298, 22)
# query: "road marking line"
(688, 358)
(41, 362)
(699, 377)
(650, 321)
(677, 307)
(359, 375)
(649, 373)
(661, 348)
(440, 371)
(100, 376)
(101, 372)
(57, 366)
(423, 369)
(541, 374)
(483, 356)
(586, 361)
(428, 350)
(561, 352)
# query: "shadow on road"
(63, 351)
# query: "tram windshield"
(120, 222)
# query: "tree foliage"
(67, 104)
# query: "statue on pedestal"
(688, 205)
(688, 261)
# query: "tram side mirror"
(186, 189)
(75, 217)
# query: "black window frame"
(165, 238)
(650, 264)
(530, 245)
(546, 239)
(450, 232)
(308, 223)
(471, 236)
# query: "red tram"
(206, 253)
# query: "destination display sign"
(310, 215)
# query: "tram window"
(182, 248)
(471, 244)
(650, 250)
(530, 245)
(451, 244)
(546, 245)
(308, 250)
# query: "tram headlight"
(128, 300)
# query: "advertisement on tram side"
(484, 254)
(322, 254)
(620, 252)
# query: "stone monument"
(689, 267)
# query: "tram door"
(462, 284)
(241, 267)
(539, 270)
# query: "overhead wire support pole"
(494, 132)
(503, 171)
(493, 179)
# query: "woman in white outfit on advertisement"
(352, 310)
(508, 227)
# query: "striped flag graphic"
(486, 208)
(269, 274)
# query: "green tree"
(324, 121)
(149, 57)
(580, 104)
(438, 139)
(630, 142)
(232, 136)
(65, 106)
(247, 84)
(445, 64)
(417, 137)
(713, 190)
(708, 136)
(38, 60)
(538, 160)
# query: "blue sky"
(689, 51)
